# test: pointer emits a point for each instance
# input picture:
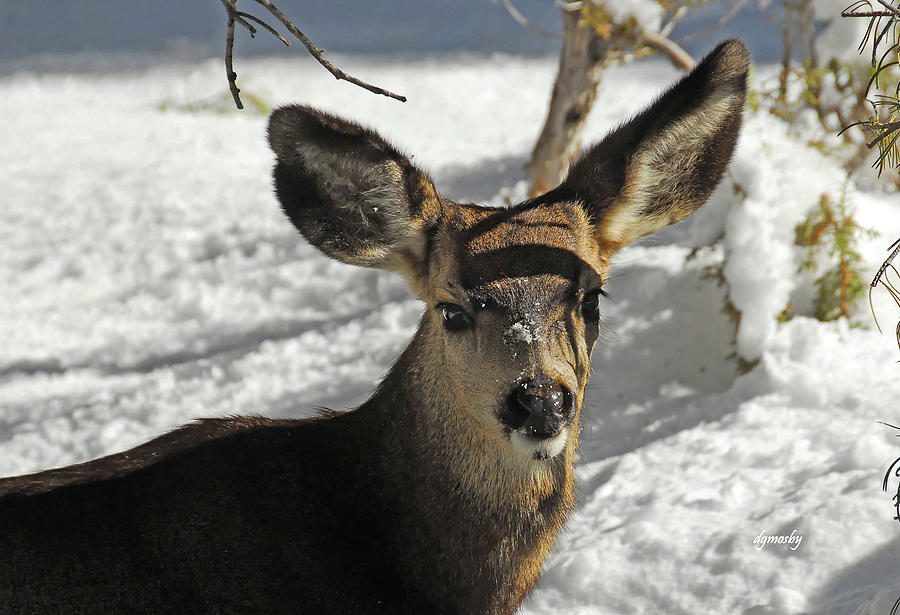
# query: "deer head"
(513, 295)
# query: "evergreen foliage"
(830, 229)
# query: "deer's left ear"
(351, 193)
(663, 164)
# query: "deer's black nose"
(538, 406)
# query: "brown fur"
(422, 500)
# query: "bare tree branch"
(229, 48)
(677, 16)
(853, 10)
(240, 17)
(274, 32)
(524, 21)
(568, 6)
(678, 56)
(894, 249)
(867, 14)
(317, 54)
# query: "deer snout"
(538, 407)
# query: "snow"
(761, 262)
(648, 13)
(841, 36)
(149, 278)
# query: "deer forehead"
(518, 256)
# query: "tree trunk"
(806, 23)
(581, 62)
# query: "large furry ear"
(349, 192)
(660, 166)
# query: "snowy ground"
(148, 278)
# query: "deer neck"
(427, 439)
(465, 519)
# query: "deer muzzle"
(538, 408)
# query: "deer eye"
(454, 317)
(590, 305)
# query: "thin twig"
(241, 18)
(233, 13)
(895, 247)
(242, 22)
(869, 14)
(524, 21)
(274, 32)
(677, 16)
(882, 278)
(678, 56)
(851, 11)
(229, 68)
(317, 54)
(568, 6)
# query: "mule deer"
(444, 492)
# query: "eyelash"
(593, 313)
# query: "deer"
(445, 491)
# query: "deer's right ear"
(660, 166)
(349, 192)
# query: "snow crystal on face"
(528, 328)
(521, 331)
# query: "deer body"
(445, 491)
(147, 530)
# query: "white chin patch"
(539, 450)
